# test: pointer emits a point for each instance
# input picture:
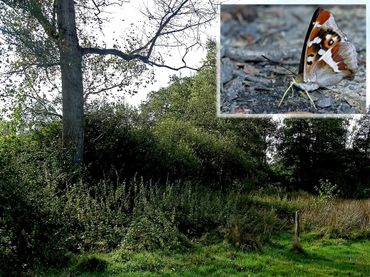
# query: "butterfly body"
(327, 55)
(308, 86)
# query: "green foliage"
(119, 146)
(152, 230)
(205, 215)
(326, 190)
(177, 136)
(49, 208)
(89, 264)
(42, 215)
(29, 178)
(196, 152)
(322, 257)
(313, 149)
(97, 215)
(251, 229)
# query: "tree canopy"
(54, 44)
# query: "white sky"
(130, 13)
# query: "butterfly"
(327, 56)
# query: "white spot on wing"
(316, 40)
(329, 61)
(321, 52)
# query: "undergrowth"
(47, 215)
(338, 218)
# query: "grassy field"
(321, 257)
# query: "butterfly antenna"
(279, 64)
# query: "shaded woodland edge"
(170, 173)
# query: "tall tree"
(359, 165)
(54, 40)
(361, 140)
(313, 149)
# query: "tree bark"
(72, 85)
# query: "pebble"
(315, 95)
(345, 108)
(233, 88)
(226, 70)
(324, 102)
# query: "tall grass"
(203, 214)
(339, 218)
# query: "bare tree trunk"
(71, 70)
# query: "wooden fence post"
(296, 241)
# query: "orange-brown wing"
(338, 62)
(323, 36)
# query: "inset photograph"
(292, 59)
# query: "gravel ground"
(250, 84)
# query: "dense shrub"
(119, 146)
(90, 264)
(197, 212)
(44, 212)
(251, 229)
(150, 229)
(205, 156)
(30, 223)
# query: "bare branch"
(103, 89)
(98, 12)
(50, 82)
(129, 57)
(114, 52)
(43, 112)
(172, 67)
(163, 23)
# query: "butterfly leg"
(281, 101)
(309, 97)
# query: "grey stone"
(239, 73)
(324, 102)
(315, 95)
(222, 52)
(345, 108)
(226, 70)
(233, 88)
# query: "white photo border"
(290, 2)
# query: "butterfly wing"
(337, 63)
(327, 57)
(308, 33)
